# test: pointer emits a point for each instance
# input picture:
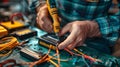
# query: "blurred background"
(9, 7)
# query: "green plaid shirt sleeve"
(109, 26)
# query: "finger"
(74, 44)
(47, 29)
(69, 39)
(47, 24)
(39, 21)
(81, 43)
(71, 46)
(65, 29)
(60, 19)
(82, 38)
(44, 25)
(43, 20)
(40, 25)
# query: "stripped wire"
(57, 53)
(82, 54)
(85, 61)
(87, 57)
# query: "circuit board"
(67, 60)
(37, 45)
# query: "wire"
(78, 51)
(16, 14)
(7, 43)
(87, 57)
(85, 61)
(43, 59)
(9, 52)
(57, 53)
(64, 60)
(54, 63)
(72, 53)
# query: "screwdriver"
(54, 14)
(56, 25)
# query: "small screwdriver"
(54, 14)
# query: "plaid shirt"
(72, 10)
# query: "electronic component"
(24, 33)
(47, 40)
(29, 54)
(50, 39)
(12, 27)
(3, 31)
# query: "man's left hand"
(79, 31)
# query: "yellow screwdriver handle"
(54, 15)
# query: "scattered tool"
(13, 25)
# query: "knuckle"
(42, 18)
(69, 24)
(75, 25)
(38, 13)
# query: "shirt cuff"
(109, 28)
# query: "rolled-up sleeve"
(109, 26)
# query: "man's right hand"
(43, 20)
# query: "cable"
(85, 61)
(57, 53)
(43, 59)
(87, 57)
(9, 52)
(16, 14)
(7, 44)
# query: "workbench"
(74, 61)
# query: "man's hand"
(43, 20)
(79, 31)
